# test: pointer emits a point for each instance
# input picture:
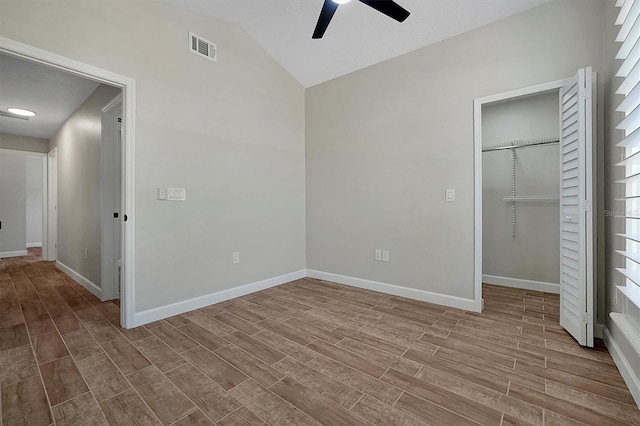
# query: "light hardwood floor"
(304, 353)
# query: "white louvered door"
(576, 201)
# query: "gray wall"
(385, 142)
(34, 200)
(534, 254)
(78, 143)
(23, 143)
(13, 206)
(231, 133)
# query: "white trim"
(32, 245)
(477, 150)
(5, 254)
(177, 308)
(45, 214)
(520, 283)
(110, 165)
(411, 293)
(52, 206)
(128, 86)
(628, 373)
(84, 282)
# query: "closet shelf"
(531, 198)
(519, 143)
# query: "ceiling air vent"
(202, 47)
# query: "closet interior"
(521, 192)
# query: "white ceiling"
(54, 95)
(358, 35)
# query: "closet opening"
(534, 203)
(521, 193)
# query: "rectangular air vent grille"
(202, 47)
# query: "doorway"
(22, 198)
(127, 86)
(534, 160)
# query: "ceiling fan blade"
(389, 8)
(328, 10)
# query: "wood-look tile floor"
(304, 353)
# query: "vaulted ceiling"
(358, 35)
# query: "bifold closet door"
(576, 198)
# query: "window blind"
(629, 35)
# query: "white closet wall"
(533, 254)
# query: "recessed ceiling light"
(22, 112)
(341, 1)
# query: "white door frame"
(110, 149)
(45, 215)
(127, 84)
(477, 149)
(51, 207)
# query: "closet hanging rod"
(519, 144)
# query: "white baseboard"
(13, 253)
(519, 283)
(32, 245)
(411, 293)
(628, 372)
(84, 282)
(150, 315)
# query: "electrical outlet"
(235, 258)
(450, 195)
(385, 255)
(378, 255)
(86, 253)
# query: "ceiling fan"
(388, 7)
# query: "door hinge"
(586, 206)
(587, 319)
(586, 94)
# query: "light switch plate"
(162, 193)
(450, 195)
(378, 255)
(176, 194)
(385, 255)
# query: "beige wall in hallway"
(78, 143)
(23, 143)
